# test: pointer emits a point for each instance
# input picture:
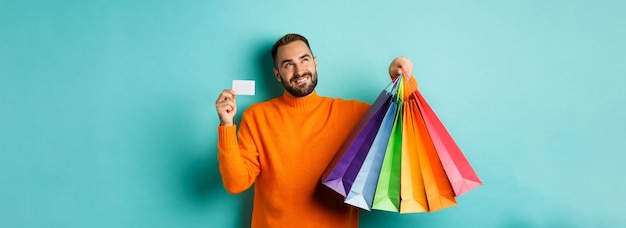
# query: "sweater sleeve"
(238, 158)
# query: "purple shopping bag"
(362, 192)
(341, 172)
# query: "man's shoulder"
(347, 102)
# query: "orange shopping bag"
(425, 186)
(412, 191)
(460, 173)
(438, 189)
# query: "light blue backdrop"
(107, 114)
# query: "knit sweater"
(283, 146)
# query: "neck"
(302, 103)
(294, 97)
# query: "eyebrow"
(301, 57)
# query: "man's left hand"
(400, 65)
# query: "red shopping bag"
(458, 170)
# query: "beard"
(301, 91)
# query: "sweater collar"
(302, 103)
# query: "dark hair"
(286, 39)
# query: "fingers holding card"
(243, 87)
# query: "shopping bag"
(342, 171)
(459, 172)
(362, 192)
(413, 189)
(438, 190)
(400, 157)
(387, 195)
(424, 184)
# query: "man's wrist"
(226, 124)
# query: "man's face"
(296, 69)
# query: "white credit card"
(243, 87)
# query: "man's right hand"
(226, 106)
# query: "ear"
(277, 75)
(315, 61)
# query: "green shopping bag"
(387, 196)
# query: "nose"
(299, 70)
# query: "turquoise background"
(107, 115)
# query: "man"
(284, 144)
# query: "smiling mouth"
(301, 80)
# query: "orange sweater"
(283, 147)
